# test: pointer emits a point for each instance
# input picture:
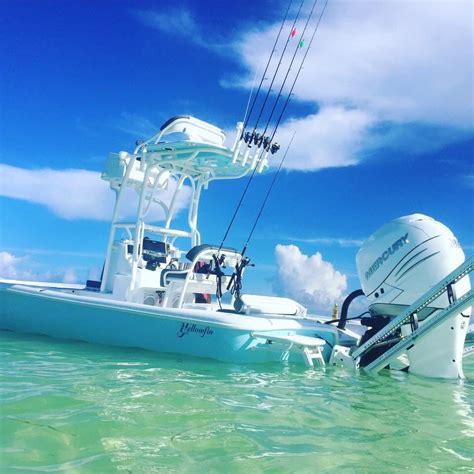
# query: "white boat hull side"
(194, 332)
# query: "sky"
(383, 113)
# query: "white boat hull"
(223, 336)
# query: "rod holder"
(246, 156)
(239, 127)
(263, 163)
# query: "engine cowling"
(397, 265)
(403, 259)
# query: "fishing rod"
(285, 105)
(267, 143)
(270, 188)
(237, 208)
(235, 282)
(251, 93)
(262, 108)
(247, 117)
(298, 47)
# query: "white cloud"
(20, 268)
(375, 73)
(403, 61)
(9, 265)
(308, 279)
(54, 251)
(73, 193)
(174, 21)
(70, 276)
(397, 74)
(331, 138)
(178, 22)
(136, 125)
(414, 138)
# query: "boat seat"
(171, 273)
(195, 251)
(256, 304)
(202, 277)
(93, 285)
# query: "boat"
(165, 290)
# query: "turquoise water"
(74, 407)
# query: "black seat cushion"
(191, 255)
(172, 273)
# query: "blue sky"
(383, 114)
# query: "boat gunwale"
(233, 321)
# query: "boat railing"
(208, 253)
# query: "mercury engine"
(397, 265)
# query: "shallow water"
(76, 407)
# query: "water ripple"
(72, 407)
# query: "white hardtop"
(184, 146)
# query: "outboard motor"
(397, 265)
